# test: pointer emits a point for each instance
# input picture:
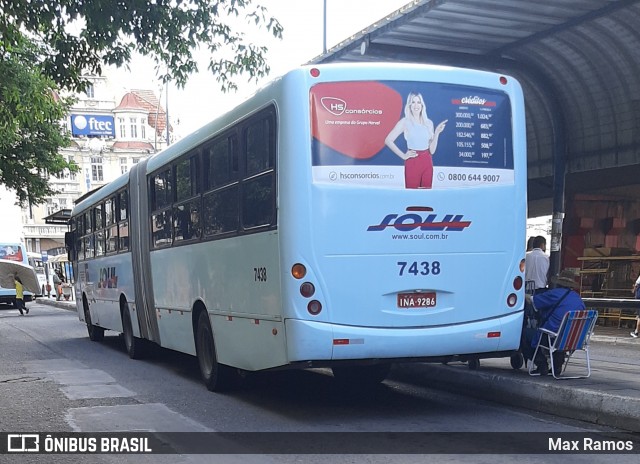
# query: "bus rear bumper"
(319, 341)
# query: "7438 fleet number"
(418, 268)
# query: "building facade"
(110, 133)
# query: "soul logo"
(412, 221)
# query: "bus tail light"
(522, 265)
(307, 289)
(512, 299)
(517, 283)
(298, 271)
(314, 307)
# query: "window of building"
(143, 128)
(90, 91)
(123, 128)
(96, 169)
(51, 207)
(123, 165)
(134, 127)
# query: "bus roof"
(102, 192)
(332, 71)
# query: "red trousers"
(418, 171)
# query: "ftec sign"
(91, 124)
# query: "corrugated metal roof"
(577, 60)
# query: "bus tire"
(517, 360)
(133, 345)
(361, 375)
(217, 377)
(474, 364)
(96, 334)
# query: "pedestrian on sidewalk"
(20, 296)
(636, 294)
(58, 279)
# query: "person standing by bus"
(56, 284)
(422, 142)
(20, 296)
(536, 267)
(58, 280)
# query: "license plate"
(417, 300)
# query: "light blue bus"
(346, 216)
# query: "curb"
(615, 340)
(573, 402)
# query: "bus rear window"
(413, 135)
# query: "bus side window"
(221, 208)
(123, 206)
(258, 191)
(123, 234)
(221, 211)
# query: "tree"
(82, 35)
(46, 45)
(30, 126)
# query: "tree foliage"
(46, 45)
(30, 126)
(82, 35)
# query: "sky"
(202, 100)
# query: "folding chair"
(573, 335)
(529, 287)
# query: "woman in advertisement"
(422, 141)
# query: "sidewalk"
(610, 397)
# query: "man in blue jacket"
(551, 306)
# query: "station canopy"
(60, 217)
(578, 62)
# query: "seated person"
(551, 306)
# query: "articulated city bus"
(346, 216)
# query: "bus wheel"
(134, 345)
(217, 377)
(517, 360)
(361, 375)
(474, 364)
(96, 334)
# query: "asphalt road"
(53, 379)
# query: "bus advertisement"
(347, 216)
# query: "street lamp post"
(324, 27)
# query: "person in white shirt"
(537, 264)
